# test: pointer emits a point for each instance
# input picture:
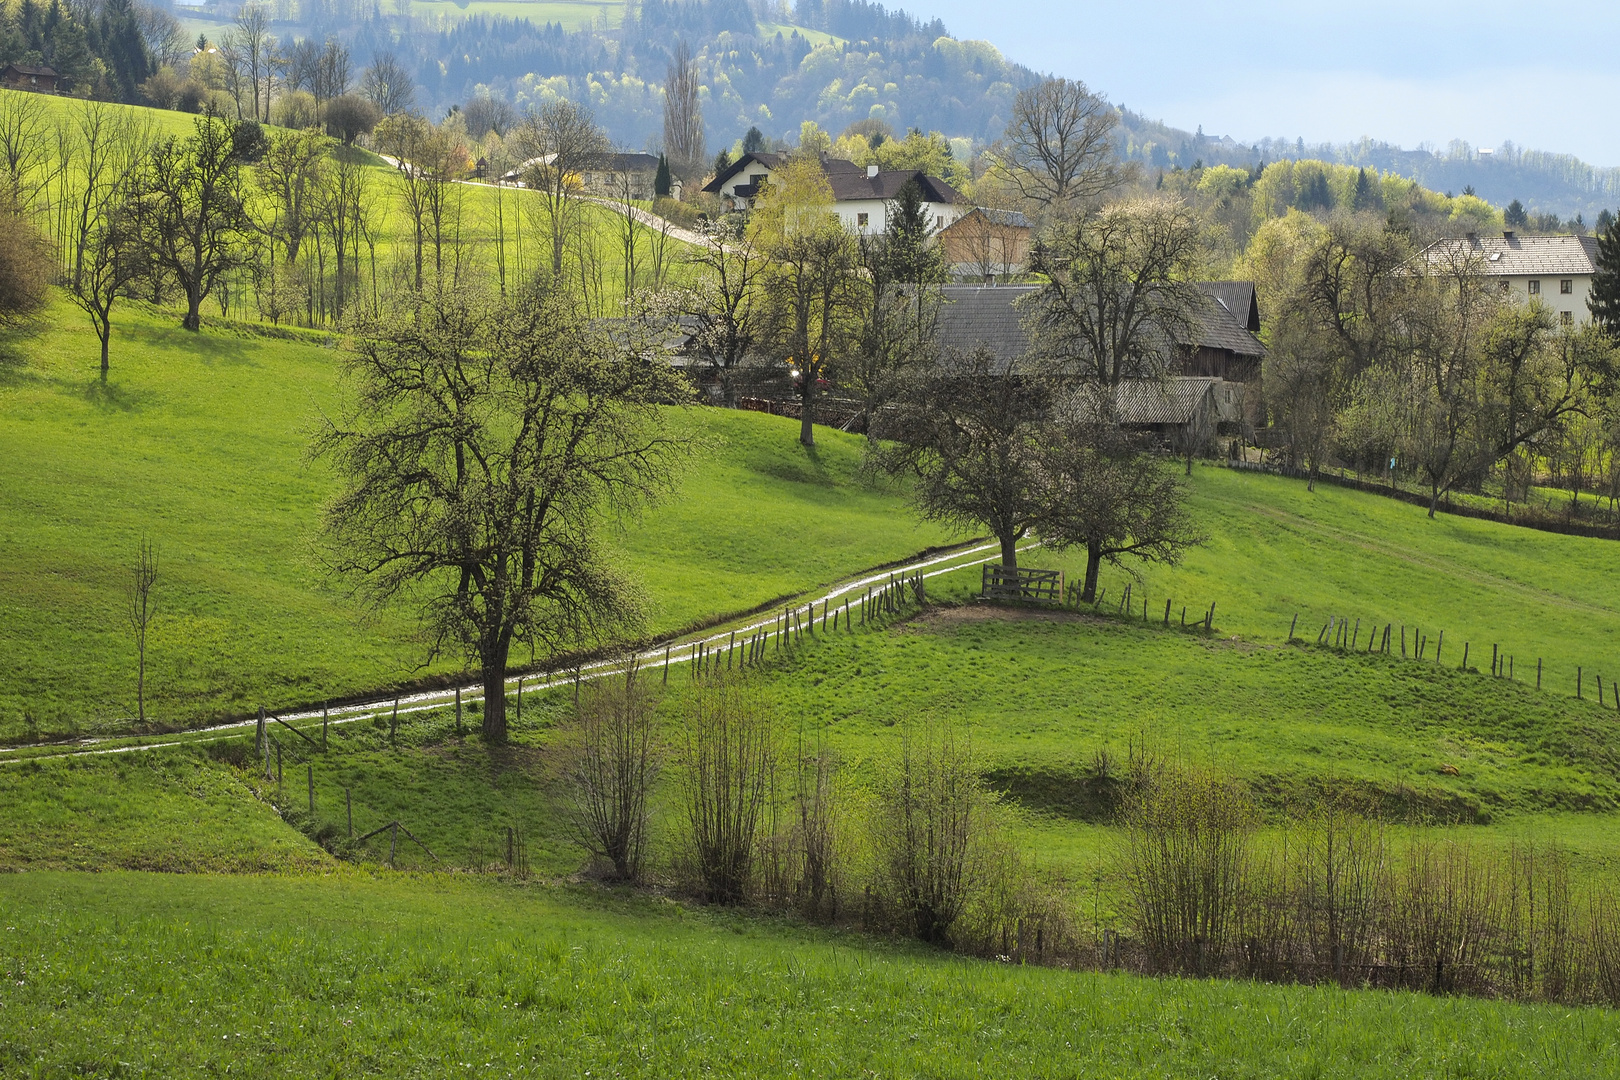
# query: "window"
(1567, 318)
(1566, 286)
(1535, 288)
(861, 220)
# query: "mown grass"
(126, 975)
(200, 443)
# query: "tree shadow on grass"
(14, 369)
(223, 349)
(111, 396)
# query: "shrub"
(611, 759)
(728, 762)
(26, 267)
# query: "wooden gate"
(1032, 586)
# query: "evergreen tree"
(662, 185)
(754, 141)
(1514, 216)
(1604, 300)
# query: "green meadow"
(354, 974)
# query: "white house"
(1557, 270)
(861, 196)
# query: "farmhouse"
(861, 196)
(30, 77)
(605, 175)
(986, 244)
(1556, 270)
(1205, 393)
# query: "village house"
(1556, 270)
(30, 77)
(861, 196)
(986, 244)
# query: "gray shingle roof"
(976, 316)
(848, 180)
(1239, 298)
(1221, 328)
(1519, 256)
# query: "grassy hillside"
(200, 444)
(1275, 549)
(410, 976)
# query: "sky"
(1406, 72)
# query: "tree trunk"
(104, 331)
(1093, 564)
(494, 672)
(1434, 498)
(193, 320)
(1009, 552)
(807, 434)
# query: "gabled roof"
(1511, 255)
(849, 181)
(39, 70)
(1009, 219)
(1239, 298)
(1219, 327)
(979, 316)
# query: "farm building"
(861, 196)
(30, 77)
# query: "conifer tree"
(1604, 299)
(662, 184)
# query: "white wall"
(1573, 302)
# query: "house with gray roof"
(861, 196)
(1556, 270)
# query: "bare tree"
(483, 449)
(141, 609)
(291, 176)
(683, 114)
(429, 160)
(190, 210)
(1116, 303)
(329, 77)
(1057, 149)
(559, 143)
(163, 34)
(612, 759)
(725, 301)
(967, 430)
(104, 255)
(728, 765)
(255, 43)
(388, 85)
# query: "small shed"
(37, 77)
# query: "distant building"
(1557, 270)
(30, 77)
(1206, 390)
(986, 244)
(861, 196)
(606, 175)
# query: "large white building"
(861, 196)
(1557, 270)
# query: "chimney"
(871, 172)
(1473, 238)
(1507, 235)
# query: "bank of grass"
(130, 974)
(200, 443)
(1275, 549)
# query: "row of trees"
(1424, 370)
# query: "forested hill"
(833, 61)
(1551, 186)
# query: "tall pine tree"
(1604, 299)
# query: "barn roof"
(1173, 401)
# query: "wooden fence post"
(666, 663)
(1538, 672)
(520, 699)
(393, 844)
(1438, 645)
(1465, 657)
(278, 762)
(1167, 614)
(1291, 627)
(458, 710)
(1577, 683)
(323, 726)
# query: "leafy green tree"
(1604, 299)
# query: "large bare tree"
(483, 450)
(683, 114)
(103, 254)
(1057, 150)
(726, 301)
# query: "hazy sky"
(1403, 72)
